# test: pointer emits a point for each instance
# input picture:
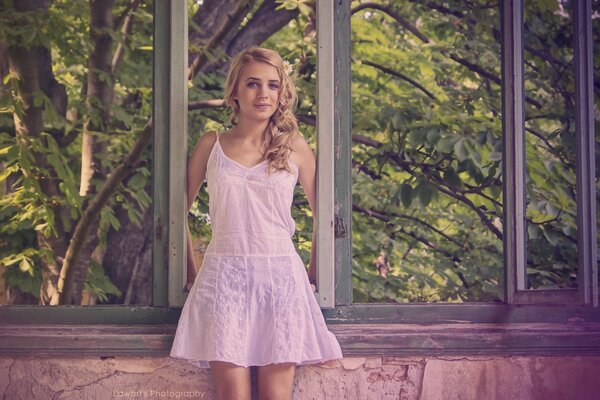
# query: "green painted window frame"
(586, 295)
(565, 307)
(169, 115)
(542, 327)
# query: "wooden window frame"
(513, 125)
(527, 323)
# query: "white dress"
(251, 303)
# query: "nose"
(262, 92)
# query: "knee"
(275, 392)
(275, 395)
(232, 394)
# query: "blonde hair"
(283, 124)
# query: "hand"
(313, 284)
(190, 283)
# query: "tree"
(50, 118)
(427, 176)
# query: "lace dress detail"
(251, 303)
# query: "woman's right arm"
(196, 172)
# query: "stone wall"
(361, 378)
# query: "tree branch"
(91, 214)
(310, 120)
(361, 167)
(399, 19)
(202, 104)
(441, 187)
(99, 91)
(125, 28)
(366, 141)
(385, 216)
(420, 239)
(401, 76)
(213, 43)
(488, 75)
(550, 147)
(478, 211)
(266, 21)
(441, 9)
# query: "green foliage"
(27, 281)
(439, 159)
(99, 284)
(428, 194)
(27, 209)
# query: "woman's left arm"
(304, 158)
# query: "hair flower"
(287, 67)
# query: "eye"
(274, 86)
(252, 84)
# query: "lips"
(262, 106)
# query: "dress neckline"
(236, 162)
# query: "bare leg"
(275, 381)
(232, 382)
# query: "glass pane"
(91, 98)
(293, 35)
(551, 198)
(427, 148)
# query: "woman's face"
(258, 91)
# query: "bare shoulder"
(201, 152)
(206, 142)
(299, 144)
(301, 151)
(204, 146)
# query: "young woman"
(252, 303)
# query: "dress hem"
(204, 363)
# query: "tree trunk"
(263, 23)
(128, 263)
(99, 91)
(211, 16)
(87, 224)
(34, 68)
(99, 99)
(99, 94)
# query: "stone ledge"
(581, 338)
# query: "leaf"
(38, 99)
(533, 231)
(551, 236)
(137, 182)
(425, 191)
(114, 222)
(418, 136)
(445, 144)
(433, 136)
(460, 150)
(5, 150)
(451, 177)
(495, 156)
(406, 194)
(551, 210)
(397, 120)
(25, 265)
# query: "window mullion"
(342, 152)
(584, 123)
(325, 162)
(513, 148)
(177, 136)
(160, 157)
